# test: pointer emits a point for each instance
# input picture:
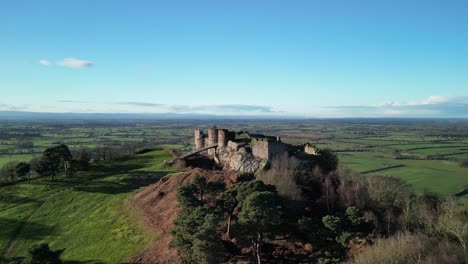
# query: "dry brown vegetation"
(406, 248)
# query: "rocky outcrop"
(238, 159)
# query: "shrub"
(405, 248)
(331, 222)
(354, 215)
(464, 164)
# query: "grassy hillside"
(87, 214)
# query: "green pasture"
(7, 158)
(87, 215)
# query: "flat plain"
(430, 154)
(88, 215)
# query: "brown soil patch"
(158, 207)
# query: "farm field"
(86, 215)
(431, 155)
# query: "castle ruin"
(240, 151)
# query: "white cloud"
(432, 106)
(45, 62)
(227, 108)
(68, 62)
(74, 63)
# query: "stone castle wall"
(260, 148)
(266, 149)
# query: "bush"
(464, 164)
(331, 222)
(405, 248)
(327, 160)
(354, 215)
(344, 238)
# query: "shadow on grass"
(14, 199)
(22, 260)
(131, 181)
(110, 177)
(13, 260)
(83, 262)
(462, 193)
(35, 231)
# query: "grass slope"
(87, 214)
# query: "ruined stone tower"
(222, 138)
(212, 139)
(199, 139)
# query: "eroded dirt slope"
(158, 207)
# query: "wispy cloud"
(71, 101)
(432, 106)
(227, 108)
(45, 62)
(155, 107)
(74, 63)
(222, 109)
(144, 104)
(9, 107)
(68, 62)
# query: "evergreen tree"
(253, 186)
(207, 245)
(229, 204)
(260, 215)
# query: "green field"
(428, 153)
(87, 215)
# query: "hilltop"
(87, 215)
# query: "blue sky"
(304, 58)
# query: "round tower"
(212, 136)
(222, 138)
(199, 139)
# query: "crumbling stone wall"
(260, 148)
(266, 149)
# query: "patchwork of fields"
(431, 155)
(88, 214)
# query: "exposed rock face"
(239, 160)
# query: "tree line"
(60, 159)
